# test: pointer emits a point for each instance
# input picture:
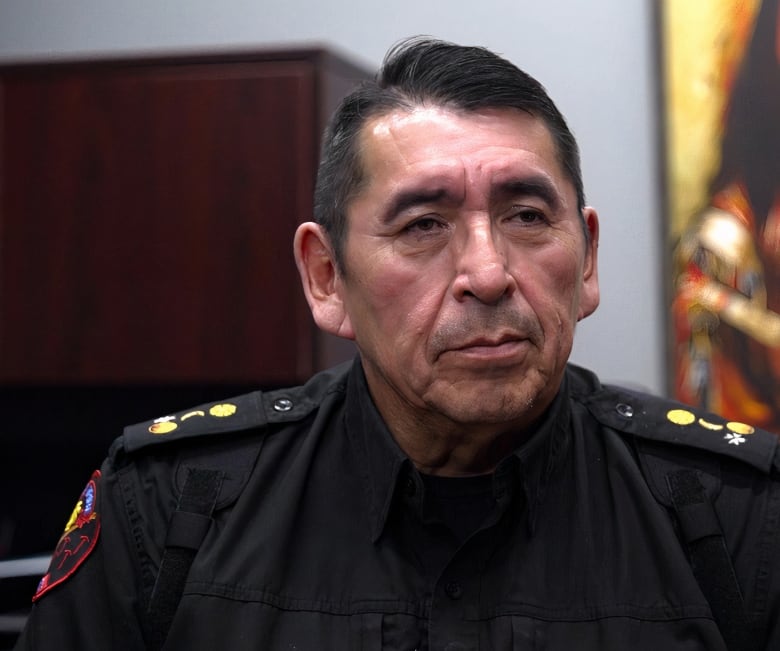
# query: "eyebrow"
(534, 186)
(413, 197)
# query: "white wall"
(596, 58)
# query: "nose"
(481, 265)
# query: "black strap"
(709, 557)
(188, 527)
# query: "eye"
(527, 216)
(424, 225)
(427, 232)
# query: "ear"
(321, 280)
(590, 295)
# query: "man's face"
(465, 267)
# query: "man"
(458, 486)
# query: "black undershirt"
(460, 503)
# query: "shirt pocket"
(386, 632)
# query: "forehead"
(440, 141)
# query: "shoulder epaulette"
(658, 419)
(249, 411)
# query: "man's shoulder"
(251, 411)
(666, 423)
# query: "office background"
(597, 58)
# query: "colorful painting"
(722, 115)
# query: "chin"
(488, 409)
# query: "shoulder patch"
(245, 412)
(657, 419)
(77, 541)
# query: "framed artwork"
(721, 71)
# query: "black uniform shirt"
(335, 542)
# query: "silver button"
(283, 404)
(627, 411)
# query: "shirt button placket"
(450, 629)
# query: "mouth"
(504, 349)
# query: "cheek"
(402, 302)
(552, 286)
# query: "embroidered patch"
(77, 541)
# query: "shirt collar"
(386, 469)
(534, 463)
(379, 456)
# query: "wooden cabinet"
(147, 210)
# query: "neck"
(446, 437)
(447, 458)
(438, 446)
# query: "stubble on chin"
(509, 400)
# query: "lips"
(485, 342)
(493, 353)
(486, 331)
